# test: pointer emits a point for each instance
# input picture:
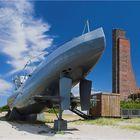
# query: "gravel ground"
(20, 130)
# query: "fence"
(130, 113)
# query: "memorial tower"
(123, 79)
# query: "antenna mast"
(86, 26)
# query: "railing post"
(130, 113)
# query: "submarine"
(50, 84)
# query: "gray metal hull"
(77, 56)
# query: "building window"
(93, 101)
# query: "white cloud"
(5, 87)
(21, 35)
(75, 90)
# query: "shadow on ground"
(36, 127)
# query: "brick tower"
(123, 80)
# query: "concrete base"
(60, 125)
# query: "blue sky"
(28, 29)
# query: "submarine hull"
(77, 58)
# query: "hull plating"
(78, 57)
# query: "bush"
(130, 104)
(4, 108)
(51, 110)
(134, 96)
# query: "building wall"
(95, 109)
(123, 80)
(107, 105)
(110, 105)
(116, 34)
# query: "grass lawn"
(118, 122)
(50, 117)
(133, 123)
